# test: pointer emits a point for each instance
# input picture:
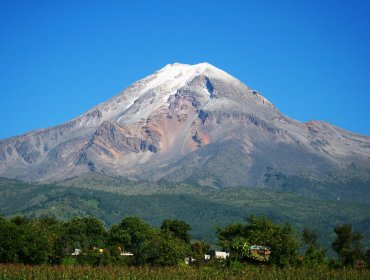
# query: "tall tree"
(9, 241)
(263, 232)
(367, 257)
(309, 237)
(179, 229)
(35, 245)
(81, 233)
(199, 249)
(348, 244)
(133, 235)
(314, 254)
(166, 249)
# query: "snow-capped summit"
(192, 70)
(157, 90)
(187, 123)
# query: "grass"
(12, 271)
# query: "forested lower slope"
(203, 208)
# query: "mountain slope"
(112, 198)
(189, 123)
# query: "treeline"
(85, 240)
(284, 244)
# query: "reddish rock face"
(187, 123)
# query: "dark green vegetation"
(349, 189)
(280, 240)
(280, 243)
(85, 241)
(111, 198)
(348, 244)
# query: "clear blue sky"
(60, 58)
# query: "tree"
(240, 246)
(19, 220)
(166, 249)
(367, 257)
(179, 229)
(348, 244)
(133, 235)
(35, 247)
(28, 241)
(9, 241)
(309, 237)
(53, 232)
(314, 254)
(199, 249)
(82, 233)
(281, 239)
(226, 235)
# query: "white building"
(77, 252)
(221, 255)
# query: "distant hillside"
(112, 198)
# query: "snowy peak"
(200, 83)
(203, 80)
(188, 71)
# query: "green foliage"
(178, 228)
(111, 198)
(68, 261)
(348, 244)
(82, 233)
(48, 241)
(314, 254)
(26, 241)
(309, 237)
(198, 250)
(367, 257)
(9, 241)
(166, 249)
(241, 247)
(226, 235)
(262, 232)
(134, 236)
(35, 245)
(41, 238)
(19, 220)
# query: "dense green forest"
(111, 198)
(85, 240)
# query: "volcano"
(195, 124)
